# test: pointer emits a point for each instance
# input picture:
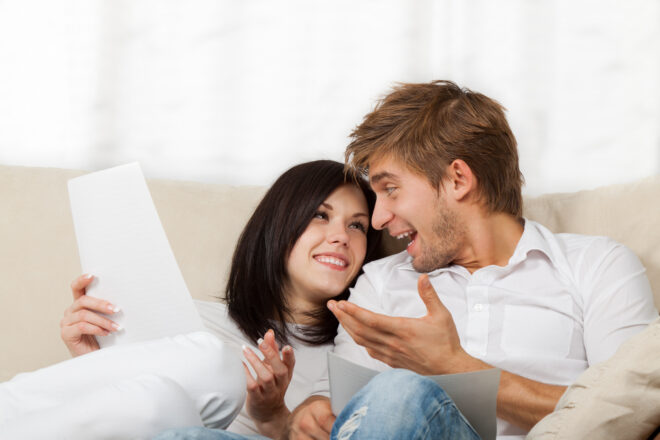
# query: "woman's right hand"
(82, 320)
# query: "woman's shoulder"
(217, 321)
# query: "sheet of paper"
(474, 393)
(122, 243)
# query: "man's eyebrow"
(380, 176)
(360, 214)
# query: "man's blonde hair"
(428, 126)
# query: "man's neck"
(490, 239)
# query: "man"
(501, 291)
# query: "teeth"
(404, 235)
(331, 260)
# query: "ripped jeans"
(396, 404)
(399, 404)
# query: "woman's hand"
(265, 398)
(82, 320)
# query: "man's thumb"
(429, 295)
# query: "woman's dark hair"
(255, 289)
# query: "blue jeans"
(396, 404)
(399, 404)
(198, 433)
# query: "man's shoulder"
(583, 258)
(574, 245)
(379, 273)
(393, 262)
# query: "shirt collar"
(534, 238)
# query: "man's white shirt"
(562, 303)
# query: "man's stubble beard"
(443, 246)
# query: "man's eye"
(390, 189)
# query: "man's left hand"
(426, 345)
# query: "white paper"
(474, 393)
(122, 243)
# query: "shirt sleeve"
(321, 387)
(619, 300)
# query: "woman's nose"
(338, 235)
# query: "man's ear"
(460, 181)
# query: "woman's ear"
(460, 181)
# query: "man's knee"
(399, 393)
(401, 404)
(404, 385)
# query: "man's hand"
(427, 345)
(311, 420)
(430, 345)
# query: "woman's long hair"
(255, 292)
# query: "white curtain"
(235, 91)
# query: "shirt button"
(478, 307)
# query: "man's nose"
(381, 216)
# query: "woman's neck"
(301, 310)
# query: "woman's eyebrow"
(329, 207)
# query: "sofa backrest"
(39, 257)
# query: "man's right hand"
(311, 420)
(82, 320)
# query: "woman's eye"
(321, 215)
(359, 226)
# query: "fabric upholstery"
(39, 257)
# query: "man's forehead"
(391, 169)
(386, 167)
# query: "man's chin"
(425, 265)
(421, 266)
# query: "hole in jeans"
(353, 423)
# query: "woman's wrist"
(274, 424)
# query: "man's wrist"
(462, 363)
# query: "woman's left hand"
(265, 393)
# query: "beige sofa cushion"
(39, 255)
(39, 258)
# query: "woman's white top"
(310, 374)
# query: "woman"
(304, 244)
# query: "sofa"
(39, 256)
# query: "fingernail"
(341, 305)
(113, 309)
(117, 327)
(88, 276)
(244, 347)
(260, 341)
(331, 305)
(287, 348)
